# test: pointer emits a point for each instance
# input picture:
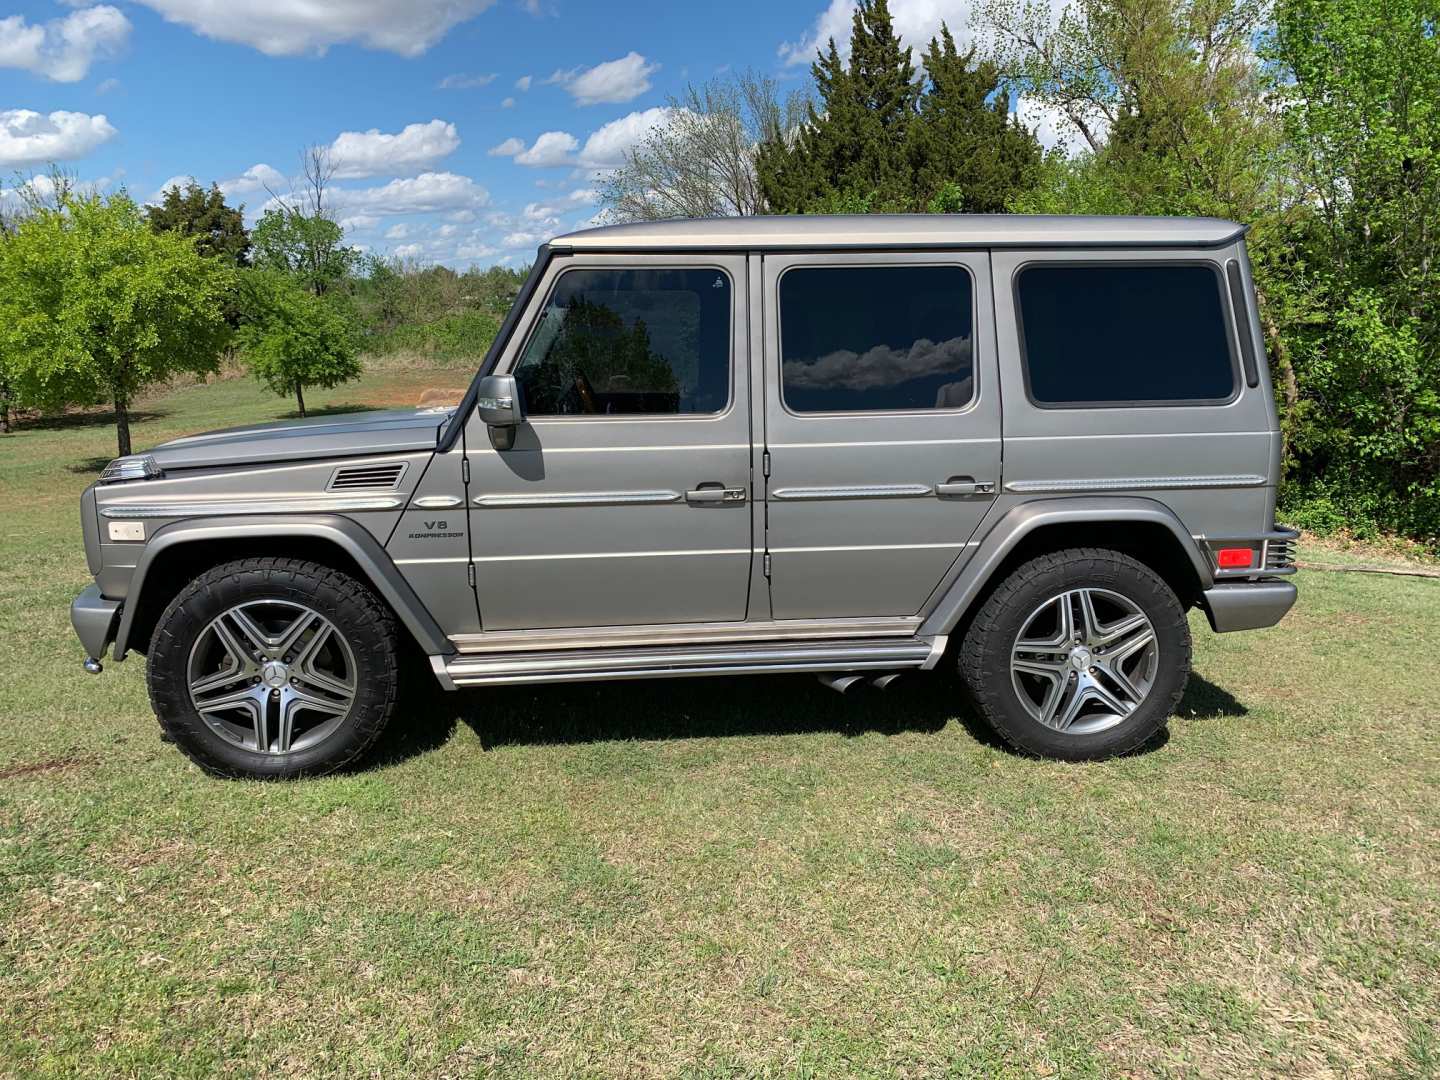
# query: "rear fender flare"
(1025, 519)
(375, 564)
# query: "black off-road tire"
(985, 652)
(366, 623)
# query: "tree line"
(102, 298)
(1315, 122)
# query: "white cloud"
(475, 249)
(550, 150)
(398, 231)
(428, 193)
(359, 221)
(466, 82)
(107, 86)
(32, 138)
(509, 148)
(611, 83)
(359, 154)
(1053, 129)
(607, 147)
(63, 49)
(409, 251)
(507, 103)
(523, 83)
(916, 21)
(287, 28)
(181, 181)
(257, 178)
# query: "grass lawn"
(752, 877)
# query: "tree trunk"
(4, 409)
(300, 398)
(122, 425)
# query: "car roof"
(908, 231)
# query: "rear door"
(626, 499)
(882, 427)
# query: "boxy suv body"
(851, 446)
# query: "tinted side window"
(876, 338)
(630, 341)
(1108, 334)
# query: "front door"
(882, 424)
(626, 499)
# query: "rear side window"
(630, 342)
(1124, 334)
(876, 338)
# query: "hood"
(368, 433)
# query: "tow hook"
(93, 665)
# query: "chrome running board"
(654, 662)
(678, 634)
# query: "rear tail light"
(1235, 558)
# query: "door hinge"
(465, 470)
(765, 464)
(470, 574)
(767, 564)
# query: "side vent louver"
(381, 476)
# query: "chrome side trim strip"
(568, 555)
(1135, 483)
(869, 547)
(873, 491)
(301, 505)
(436, 502)
(578, 498)
(651, 663)
(595, 637)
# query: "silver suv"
(853, 446)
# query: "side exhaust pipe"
(839, 681)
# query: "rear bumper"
(95, 620)
(1247, 606)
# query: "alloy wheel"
(1084, 661)
(272, 676)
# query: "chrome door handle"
(959, 486)
(708, 495)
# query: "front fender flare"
(1022, 520)
(374, 563)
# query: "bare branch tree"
(700, 161)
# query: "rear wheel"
(273, 668)
(1080, 654)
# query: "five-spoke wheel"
(1078, 654)
(272, 676)
(273, 667)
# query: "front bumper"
(95, 620)
(1248, 605)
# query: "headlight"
(134, 467)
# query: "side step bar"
(584, 665)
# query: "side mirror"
(498, 404)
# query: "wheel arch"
(180, 551)
(1144, 529)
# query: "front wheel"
(1080, 655)
(273, 668)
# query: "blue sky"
(468, 131)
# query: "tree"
(855, 138)
(293, 339)
(700, 161)
(219, 230)
(299, 234)
(95, 305)
(1361, 90)
(968, 152)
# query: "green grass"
(718, 878)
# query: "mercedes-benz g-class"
(853, 446)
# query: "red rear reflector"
(1234, 558)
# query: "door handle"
(714, 494)
(960, 486)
